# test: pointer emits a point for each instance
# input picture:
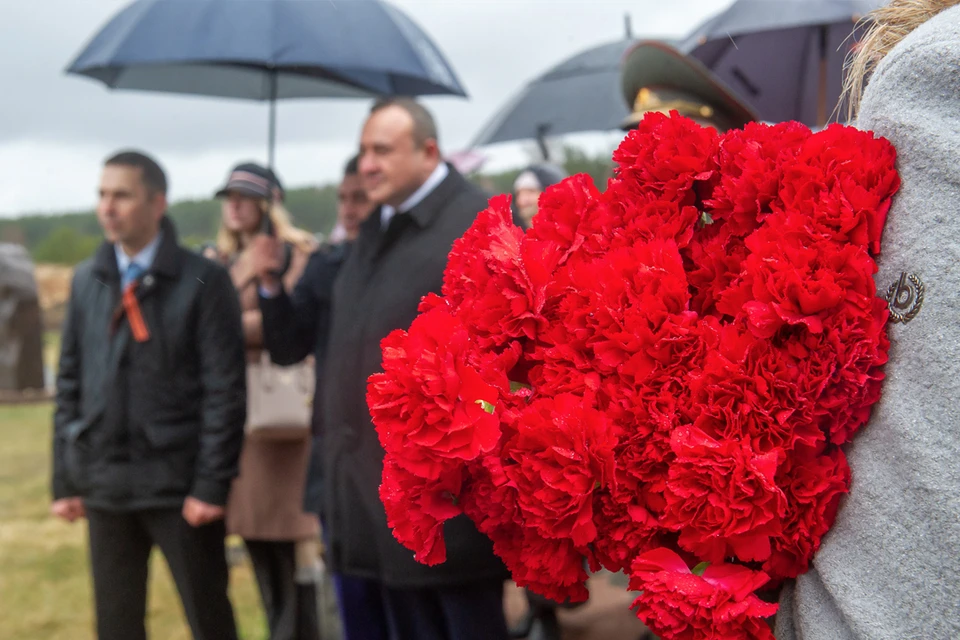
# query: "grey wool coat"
(378, 290)
(888, 570)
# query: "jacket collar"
(427, 210)
(166, 262)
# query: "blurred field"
(45, 591)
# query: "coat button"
(148, 280)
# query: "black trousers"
(291, 608)
(472, 612)
(120, 546)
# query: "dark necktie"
(395, 227)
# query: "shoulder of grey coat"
(886, 569)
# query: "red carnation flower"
(656, 220)
(665, 156)
(490, 499)
(844, 179)
(715, 261)
(609, 306)
(570, 218)
(813, 485)
(670, 350)
(614, 300)
(643, 459)
(496, 297)
(553, 568)
(646, 410)
(795, 278)
(626, 529)
(842, 367)
(751, 392)
(750, 165)
(431, 402)
(721, 497)
(417, 508)
(554, 371)
(676, 603)
(562, 453)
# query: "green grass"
(45, 590)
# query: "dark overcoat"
(378, 289)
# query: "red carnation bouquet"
(656, 379)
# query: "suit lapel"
(115, 342)
(365, 247)
(118, 346)
(422, 215)
(394, 230)
(436, 201)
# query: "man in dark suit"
(400, 256)
(151, 403)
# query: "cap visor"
(652, 63)
(243, 188)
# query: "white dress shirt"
(144, 259)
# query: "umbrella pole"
(822, 81)
(271, 144)
(542, 141)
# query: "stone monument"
(21, 329)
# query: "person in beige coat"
(266, 502)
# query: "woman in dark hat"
(265, 506)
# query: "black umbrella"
(783, 57)
(267, 50)
(580, 94)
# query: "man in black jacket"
(400, 256)
(151, 403)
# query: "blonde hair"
(228, 242)
(886, 27)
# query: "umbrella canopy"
(581, 93)
(783, 57)
(267, 50)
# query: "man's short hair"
(424, 126)
(352, 167)
(153, 177)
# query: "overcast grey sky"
(56, 129)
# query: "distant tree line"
(69, 238)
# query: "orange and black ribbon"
(130, 306)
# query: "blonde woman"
(887, 569)
(265, 507)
